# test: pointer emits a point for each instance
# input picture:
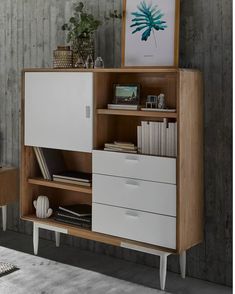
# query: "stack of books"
(157, 138)
(120, 147)
(72, 177)
(79, 215)
(123, 106)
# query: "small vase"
(78, 63)
(89, 62)
(99, 63)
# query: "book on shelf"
(40, 163)
(119, 146)
(70, 221)
(123, 107)
(50, 161)
(125, 147)
(157, 138)
(124, 144)
(78, 183)
(158, 109)
(120, 150)
(79, 210)
(73, 176)
(61, 213)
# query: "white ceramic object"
(42, 207)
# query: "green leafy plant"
(81, 26)
(149, 19)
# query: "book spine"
(143, 145)
(156, 139)
(175, 139)
(147, 137)
(163, 139)
(168, 142)
(40, 163)
(159, 137)
(44, 163)
(139, 139)
(151, 138)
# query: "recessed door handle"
(132, 214)
(88, 111)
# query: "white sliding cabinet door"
(58, 110)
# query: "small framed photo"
(127, 94)
(150, 36)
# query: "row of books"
(120, 147)
(157, 138)
(79, 215)
(53, 167)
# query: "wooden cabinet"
(9, 190)
(149, 203)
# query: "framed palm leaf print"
(150, 35)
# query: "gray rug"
(37, 275)
(6, 268)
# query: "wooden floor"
(136, 278)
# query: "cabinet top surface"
(7, 168)
(111, 70)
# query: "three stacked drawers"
(134, 197)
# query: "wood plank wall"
(30, 30)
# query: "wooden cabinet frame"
(184, 91)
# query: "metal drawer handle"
(133, 184)
(132, 214)
(132, 158)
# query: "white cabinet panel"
(136, 194)
(58, 110)
(149, 168)
(135, 225)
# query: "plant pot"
(83, 48)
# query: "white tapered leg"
(162, 270)
(57, 239)
(35, 238)
(4, 218)
(183, 264)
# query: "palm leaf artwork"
(149, 19)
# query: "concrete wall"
(30, 30)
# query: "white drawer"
(150, 168)
(134, 225)
(136, 194)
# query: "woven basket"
(63, 57)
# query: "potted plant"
(81, 28)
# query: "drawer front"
(149, 168)
(134, 225)
(135, 194)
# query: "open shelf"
(60, 185)
(139, 113)
(52, 222)
(90, 235)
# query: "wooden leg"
(162, 270)
(4, 217)
(57, 239)
(183, 264)
(35, 238)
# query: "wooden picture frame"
(143, 49)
